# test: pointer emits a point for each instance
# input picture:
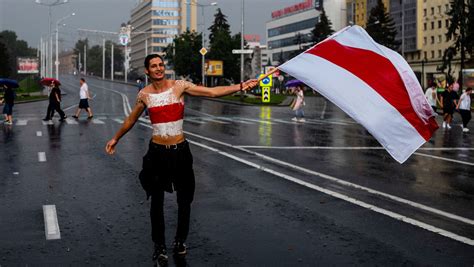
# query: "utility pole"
(242, 55)
(85, 60)
(112, 63)
(103, 59)
(463, 36)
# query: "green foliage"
(29, 85)
(4, 61)
(461, 30)
(322, 29)
(221, 46)
(13, 48)
(94, 57)
(183, 55)
(381, 28)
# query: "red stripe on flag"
(167, 113)
(380, 74)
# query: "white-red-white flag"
(372, 84)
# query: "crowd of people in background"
(449, 101)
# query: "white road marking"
(214, 120)
(97, 121)
(343, 182)
(39, 133)
(71, 121)
(194, 120)
(445, 159)
(356, 148)
(118, 120)
(41, 156)
(50, 122)
(258, 121)
(371, 207)
(21, 122)
(51, 225)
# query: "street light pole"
(203, 43)
(56, 63)
(50, 5)
(242, 45)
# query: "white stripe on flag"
(364, 105)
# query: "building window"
(432, 11)
(418, 55)
(424, 40)
(432, 39)
(294, 27)
(425, 54)
(447, 23)
(440, 54)
(439, 39)
(432, 54)
(158, 49)
(440, 24)
(165, 4)
(165, 22)
(424, 26)
(432, 25)
(439, 9)
(165, 13)
(424, 12)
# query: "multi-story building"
(423, 37)
(155, 23)
(289, 30)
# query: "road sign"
(267, 81)
(266, 94)
(243, 51)
(203, 51)
(123, 38)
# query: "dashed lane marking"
(51, 225)
(39, 133)
(21, 122)
(41, 156)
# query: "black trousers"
(466, 117)
(165, 169)
(54, 107)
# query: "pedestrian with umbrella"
(54, 99)
(8, 98)
(296, 87)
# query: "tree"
(461, 31)
(4, 61)
(322, 29)
(221, 46)
(381, 28)
(14, 48)
(187, 61)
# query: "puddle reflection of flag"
(372, 84)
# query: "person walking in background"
(84, 100)
(9, 101)
(464, 107)
(432, 96)
(299, 103)
(141, 85)
(448, 103)
(168, 164)
(55, 103)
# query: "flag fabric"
(372, 84)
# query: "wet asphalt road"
(270, 192)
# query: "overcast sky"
(30, 20)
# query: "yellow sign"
(267, 81)
(266, 94)
(214, 67)
(203, 51)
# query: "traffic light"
(265, 94)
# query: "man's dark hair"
(150, 57)
(82, 79)
(469, 89)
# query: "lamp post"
(50, 5)
(56, 63)
(203, 43)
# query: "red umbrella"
(49, 81)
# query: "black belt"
(169, 147)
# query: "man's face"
(81, 82)
(156, 70)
